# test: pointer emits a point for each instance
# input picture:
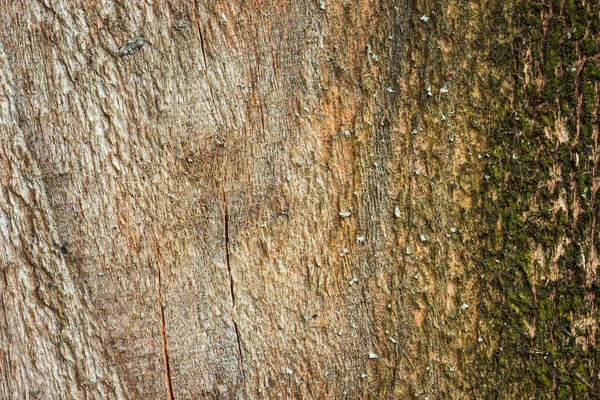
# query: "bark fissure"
(196, 8)
(231, 281)
(163, 333)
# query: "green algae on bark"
(539, 202)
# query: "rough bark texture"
(301, 199)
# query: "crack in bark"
(196, 8)
(231, 282)
(163, 333)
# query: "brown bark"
(245, 199)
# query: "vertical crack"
(163, 333)
(231, 282)
(196, 8)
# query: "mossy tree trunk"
(301, 199)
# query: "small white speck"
(322, 5)
(429, 93)
(374, 57)
(390, 90)
(353, 281)
(453, 229)
(288, 371)
(360, 239)
(423, 238)
(340, 333)
(397, 212)
(372, 355)
(223, 17)
(424, 18)
(345, 214)
(451, 369)
(417, 171)
(417, 276)
(408, 250)
(480, 340)
(443, 90)
(393, 340)
(363, 376)
(346, 133)
(100, 273)
(464, 306)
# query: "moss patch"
(535, 297)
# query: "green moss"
(522, 194)
(589, 47)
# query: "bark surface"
(301, 199)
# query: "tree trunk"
(301, 199)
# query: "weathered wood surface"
(263, 200)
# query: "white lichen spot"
(443, 90)
(424, 18)
(423, 238)
(288, 371)
(453, 229)
(322, 5)
(464, 306)
(374, 57)
(390, 90)
(372, 355)
(346, 214)
(397, 212)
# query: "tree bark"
(301, 199)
